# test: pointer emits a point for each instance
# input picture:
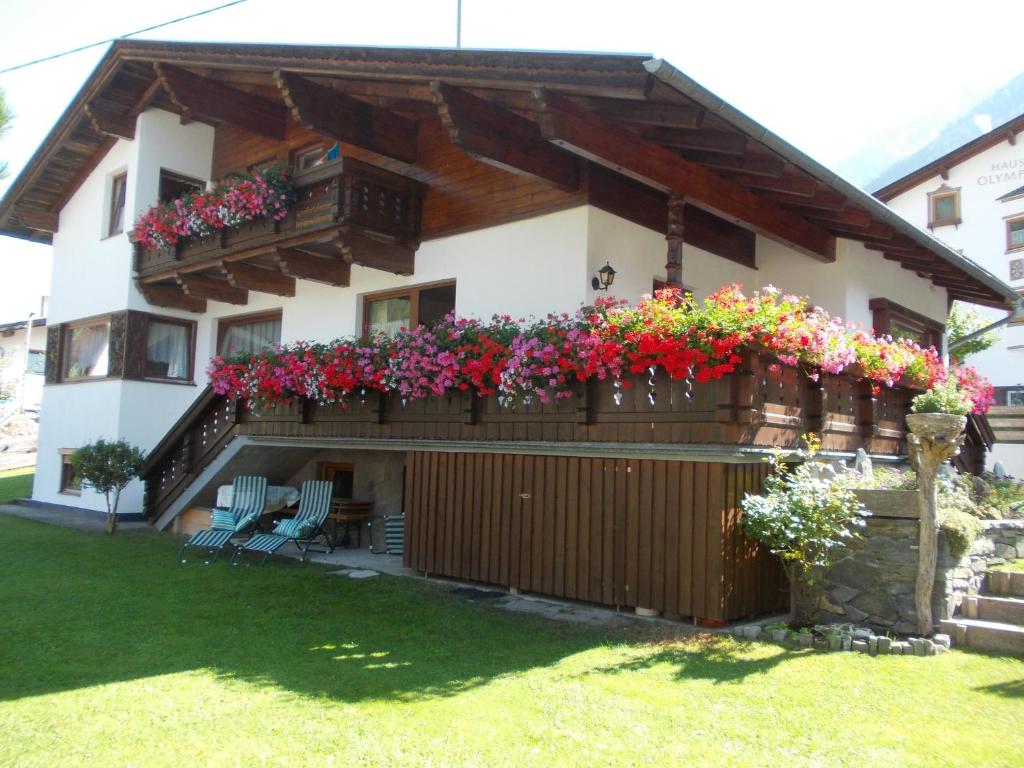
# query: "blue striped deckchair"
(248, 497)
(303, 529)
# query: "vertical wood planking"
(664, 535)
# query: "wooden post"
(927, 454)
(674, 235)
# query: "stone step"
(983, 635)
(1008, 610)
(1005, 583)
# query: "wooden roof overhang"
(629, 132)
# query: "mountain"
(894, 155)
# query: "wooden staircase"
(992, 621)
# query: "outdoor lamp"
(605, 278)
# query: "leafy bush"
(963, 321)
(108, 467)
(804, 516)
(944, 397)
(961, 529)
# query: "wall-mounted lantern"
(605, 278)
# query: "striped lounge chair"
(248, 497)
(303, 529)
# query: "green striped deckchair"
(303, 529)
(248, 497)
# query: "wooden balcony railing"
(372, 214)
(761, 404)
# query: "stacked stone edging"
(872, 583)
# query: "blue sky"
(830, 78)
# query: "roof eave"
(672, 77)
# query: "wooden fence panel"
(663, 535)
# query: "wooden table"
(346, 513)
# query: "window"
(118, 192)
(390, 311)
(238, 336)
(70, 482)
(901, 323)
(308, 157)
(86, 350)
(1015, 398)
(168, 350)
(174, 185)
(944, 206)
(1015, 233)
(36, 361)
(341, 477)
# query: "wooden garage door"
(627, 532)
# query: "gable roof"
(1005, 132)
(644, 104)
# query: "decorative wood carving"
(345, 118)
(51, 373)
(242, 275)
(116, 344)
(204, 97)
(171, 297)
(41, 221)
(305, 266)
(118, 126)
(204, 287)
(674, 236)
(590, 135)
(502, 138)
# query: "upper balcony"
(346, 212)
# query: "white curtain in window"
(87, 351)
(167, 350)
(389, 315)
(241, 338)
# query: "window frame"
(884, 312)
(42, 356)
(66, 487)
(190, 327)
(938, 194)
(224, 323)
(179, 178)
(65, 348)
(330, 468)
(411, 291)
(308, 149)
(118, 178)
(1010, 220)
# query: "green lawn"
(114, 655)
(16, 483)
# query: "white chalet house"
(972, 198)
(476, 181)
(22, 359)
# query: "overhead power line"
(112, 39)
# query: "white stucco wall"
(981, 236)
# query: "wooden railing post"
(743, 407)
(815, 412)
(471, 413)
(867, 403)
(586, 396)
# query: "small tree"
(5, 123)
(805, 514)
(963, 321)
(108, 467)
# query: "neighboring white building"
(22, 361)
(525, 237)
(973, 199)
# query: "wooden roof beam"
(579, 130)
(646, 112)
(203, 287)
(305, 266)
(170, 297)
(201, 97)
(723, 142)
(344, 118)
(118, 126)
(502, 138)
(823, 199)
(758, 165)
(242, 275)
(39, 220)
(803, 186)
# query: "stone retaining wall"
(873, 584)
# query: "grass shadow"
(83, 609)
(1013, 689)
